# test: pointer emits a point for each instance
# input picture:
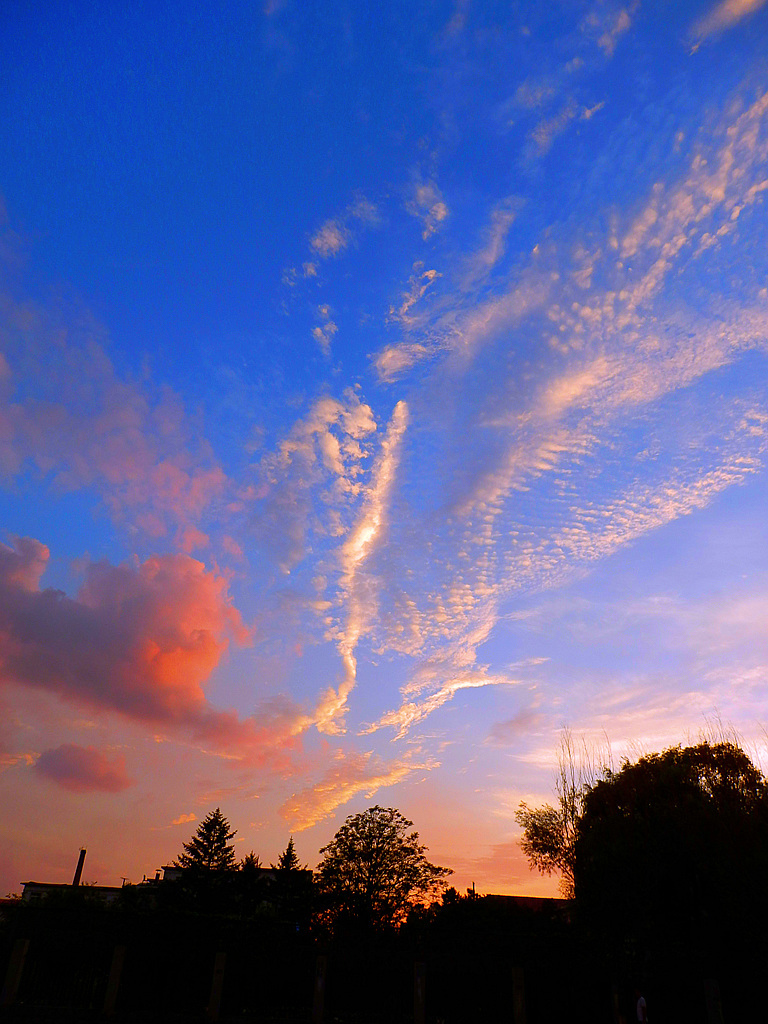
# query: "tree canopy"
(375, 869)
(661, 838)
(211, 848)
(667, 859)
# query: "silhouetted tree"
(670, 867)
(288, 860)
(549, 833)
(250, 863)
(210, 849)
(374, 869)
(668, 831)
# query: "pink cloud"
(138, 640)
(83, 769)
(192, 538)
(84, 424)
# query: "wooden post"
(419, 992)
(217, 986)
(113, 982)
(714, 1005)
(14, 972)
(318, 999)
(518, 995)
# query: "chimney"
(79, 871)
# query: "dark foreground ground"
(475, 963)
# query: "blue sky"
(382, 391)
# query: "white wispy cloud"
(330, 239)
(358, 603)
(314, 473)
(428, 205)
(326, 329)
(722, 16)
(337, 233)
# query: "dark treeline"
(663, 862)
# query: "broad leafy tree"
(673, 835)
(375, 869)
(211, 848)
(668, 861)
(670, 869)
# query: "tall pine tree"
(287, 861)
(210, 848)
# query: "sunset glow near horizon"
(384, 388)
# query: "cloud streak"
(721, 17)
(357, 601)
(348, 775)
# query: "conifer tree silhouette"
(210, 849)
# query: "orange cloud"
(349, 774)
(141, 641)
(184, 819)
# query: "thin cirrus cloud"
(337, 233)
(357, 602)
(81, 424)
(721, 17)
(613, 294)
(428, 205)
(83, 769)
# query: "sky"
(382, 391)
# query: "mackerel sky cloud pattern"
(378, 395)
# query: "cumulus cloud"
(618, 24)
(140, 641)
(330, 239)
(83, 769)
(349, 774)
(184, 819)
(324, 332)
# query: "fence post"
(217, 985)
(113, 982)
(13, 974)
(318, 999)
(419, 992)
(518, 995)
